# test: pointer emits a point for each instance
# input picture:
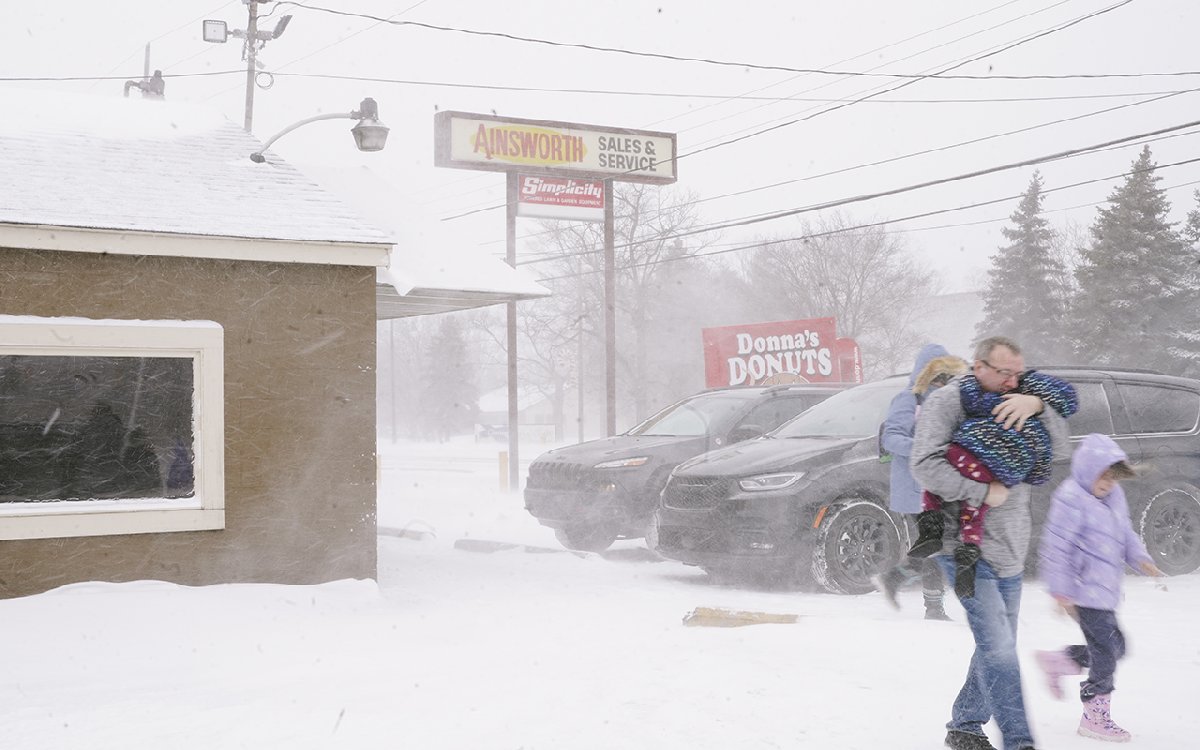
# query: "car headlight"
(623, 463)
(765, 482)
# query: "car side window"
(1094, 414)
(1154, 409)
(774, 412)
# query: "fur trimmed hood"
(947, 365)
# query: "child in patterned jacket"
(986, 451)
(1086, 544)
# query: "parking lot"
(544, 648)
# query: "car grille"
(695, 493)
(559, 476)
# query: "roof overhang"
(397, 295)
(125, 242)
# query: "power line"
(902, 157)
(620, 92)
(10, 79)
(778, 126)
(743, 64)
(977, 58)
(165, 33)
(846, 60)
(726, 97)
(1069, 153)
(867, 225)
(887, 63)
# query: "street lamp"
(369, 133)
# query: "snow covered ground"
(521, 649)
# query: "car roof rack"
(786, 386)
(1103, 368)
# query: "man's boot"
(956, 740)
(1097, 721)
(931, 524)
(934, 608)
(965, 558)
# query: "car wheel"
(586, 537)
(1170, 529)
(856, 541)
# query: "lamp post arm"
(258, 157)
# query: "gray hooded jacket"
(1007, 528)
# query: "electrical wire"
(893, 159)
(744, 64)
(1069, 153)
(856, 227)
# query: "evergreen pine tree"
(1137, 303)
(450, 398)
(1191, 229)
(1022, 298)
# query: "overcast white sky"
(79, 37)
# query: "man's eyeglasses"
(1006, 374)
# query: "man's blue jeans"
(993, 684)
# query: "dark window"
(775, 411)
(1093, 414)
(1159, 409)
(83, 428)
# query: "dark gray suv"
(808, 502)
(596, 492)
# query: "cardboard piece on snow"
(714, 617)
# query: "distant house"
(535, 415)
(187, 354)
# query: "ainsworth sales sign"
(791, 351)
(560, 198)
(564, 149)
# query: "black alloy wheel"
(856, 541)
(1170, 528)
(587, 537)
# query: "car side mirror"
(745, 432)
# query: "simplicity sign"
(503, 144)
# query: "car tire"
(1170, 528)
(586, 537)
(857, 540)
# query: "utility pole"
(251, 43)
(218, 32)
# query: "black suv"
(809, 501)
(596, 492)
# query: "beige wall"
(299, 416)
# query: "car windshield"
(857, 413)
(694, 416)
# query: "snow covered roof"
(424, 277)
(161, 167)
(497, 400)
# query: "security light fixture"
(216, 31)
(369, 133)
(279, 27)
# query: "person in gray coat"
(992, 688)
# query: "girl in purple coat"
(1086, 543)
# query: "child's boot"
(931, 524)
(965, 558)
(1056, 665)
(1097, 721)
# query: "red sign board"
(560, 198)
(790, 351)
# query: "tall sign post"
(537, 153)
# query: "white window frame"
(200, 340)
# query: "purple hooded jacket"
(1088, 540)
